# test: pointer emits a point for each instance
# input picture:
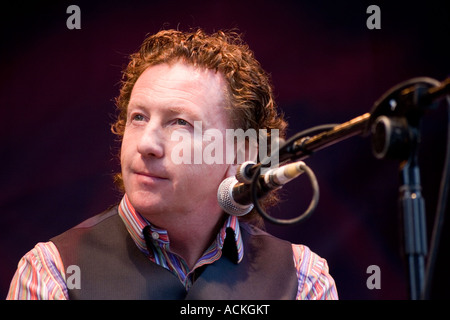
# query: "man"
(168, 238)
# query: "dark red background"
(57, 88)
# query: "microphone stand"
(412, 205)
(394, 124)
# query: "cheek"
(202, 163)
(126, 160)
(123, 155)
(204, 178)
(126, 147)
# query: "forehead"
(181, 82)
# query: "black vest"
(112, 266)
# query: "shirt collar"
(228, 236)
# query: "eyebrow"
(173, 109)
(182, 110)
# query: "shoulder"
(43, 254)
(314, 279)
(97, 219)
(40, 275)
(254, 231)
(106, 217)
(309, 262)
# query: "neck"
(189, 235)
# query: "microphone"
(235, 197)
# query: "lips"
(149, 181)
(150, 175)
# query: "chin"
(145, 202)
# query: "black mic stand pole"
(412, 208)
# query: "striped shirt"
(41, 275)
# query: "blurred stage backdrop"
(57, 91)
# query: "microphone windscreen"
(226, 200)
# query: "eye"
(138, 117)
(182, 122)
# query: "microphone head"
(226, 200)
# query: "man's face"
(167, 99)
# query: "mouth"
(149, 177)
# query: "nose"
(151, 142)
